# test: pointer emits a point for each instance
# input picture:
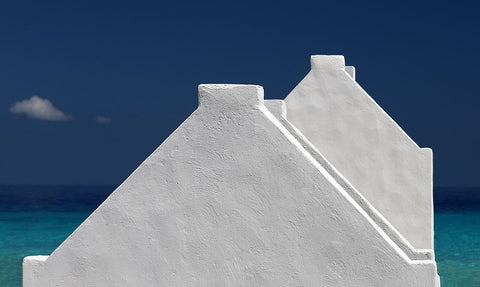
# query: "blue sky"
(137, 66)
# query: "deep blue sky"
(139, 63)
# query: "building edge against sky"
(236, 194)
(367, 146)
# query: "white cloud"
(39, 109)
(103, 120)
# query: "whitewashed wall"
(231, 198)
(278, 108)
(368, 148)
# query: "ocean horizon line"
(118, 184)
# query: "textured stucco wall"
(278, 109)
(366, 146)
(231, 198)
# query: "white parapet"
(230, 198)
(31, 268)
(350, 71)
(366, 146)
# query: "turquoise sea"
(34, 220)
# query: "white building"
(240, 196)
(366, 146)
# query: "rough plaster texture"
(278, 108)
(231, 198)
(366, 146)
